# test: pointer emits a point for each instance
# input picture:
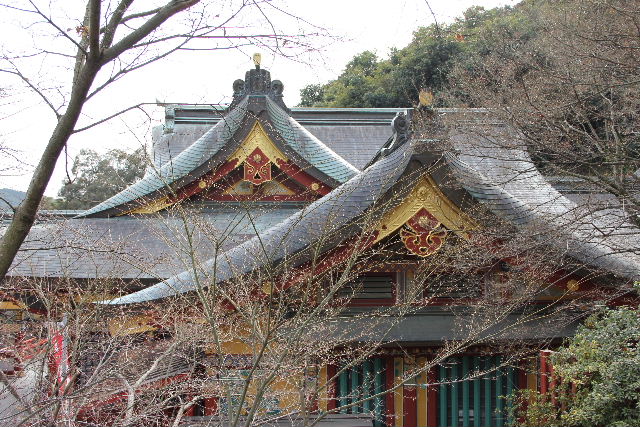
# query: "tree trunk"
(25, 214)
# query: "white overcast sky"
(206, 77)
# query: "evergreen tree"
(96, 177)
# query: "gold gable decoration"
(425, 217)
(240, 188)
(151, 207)
(257, 153)
(275, 188)
(423, 234)
(269, 188)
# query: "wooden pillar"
(499, 393)
(355, 391)
(332, 402)
(367, 382)
(511, 388)
(487, 392)
(466, 394)
(409, 396)
(321, 402)
(379, 381)
(455, 385)
(477, 407)
(552, 383)
(398, 364)
(409, 406)
(343, 390)
(389, 401)
(432, 397)
(443, 396)
(544, 371)
(421, 397)
(522, 374)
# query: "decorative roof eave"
(497, 171)
(155, 183)
(332, 215)
(254, 150)
(258, 99)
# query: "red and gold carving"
(423, 234)
(257, 167)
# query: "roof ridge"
(307, 146)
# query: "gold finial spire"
(256, 60)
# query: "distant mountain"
(14, 197)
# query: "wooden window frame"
(373, 302)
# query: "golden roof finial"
(425, 97)
(256, 60)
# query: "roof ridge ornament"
(400, 124)
(257, 83)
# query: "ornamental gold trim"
(258, 138)
(426, 195)
(151, 207)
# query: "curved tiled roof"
(139, 247)
(308, 146)
(191, 158)
(296, 138)
(496, 169)
(327, 216)
(491, 164)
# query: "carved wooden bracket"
(423, 234)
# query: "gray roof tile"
(494, 166)
(174, 169)
(308, 146)
(141, 246)
(326, 217)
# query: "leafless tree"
(110, 40)
(252, 339)
(568, 81)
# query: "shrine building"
(256, 186)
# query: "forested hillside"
(428, 61)
(564, 73)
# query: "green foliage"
(362, 84)
(603, 363)
(540, 409)
(311, 95)
(425, 63)
(96, 177)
